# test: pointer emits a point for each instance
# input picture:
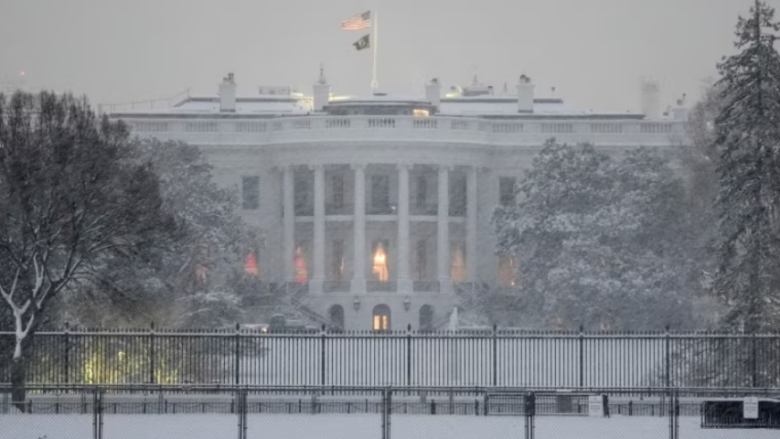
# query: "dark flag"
(363, 43)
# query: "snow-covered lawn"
(213, 426)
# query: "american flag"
(357, 22)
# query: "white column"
(404, 278)
(288, 233)
(318, 275)
(443, 241)
(471, 225)
(358, 284)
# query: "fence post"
(151, 354)
(322, 356)
(495, 355)
(530, 413)
(97, 414)
(582, 355)
(237, 374)
(66, 342)
(242, 407)
(674, 414)
(754, 361)
(667, 358)
(409, 355)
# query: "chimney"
(433, 92)
(651, 99)
(525, 95)
(227, 94)
(321, 91)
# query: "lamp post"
(356, 304)
(407, 303)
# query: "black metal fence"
(117, 412)
(476, 358)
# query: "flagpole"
(375, 44)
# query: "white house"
(376, 212)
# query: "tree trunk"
(18, 391)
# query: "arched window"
(336, 314)
(381, 318)
(426, 318)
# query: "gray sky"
(593, 51)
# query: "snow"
(356, 426)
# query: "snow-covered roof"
(500, 106)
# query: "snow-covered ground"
(356, 427)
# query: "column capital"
(316, 167)
(356, 166)
(448, 168)
(406, 166)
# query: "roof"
(488, 106)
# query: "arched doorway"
(381, 318)
(426, 318)
(336, 314)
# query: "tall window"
(301, 269)
(421, 195)
(338, 191)
(304, 199)
(506, 190)
(458, 195)
(457, 262)
(506, 271)
(381, 318)
(379, 262)
(250, 263)
(421, 266)
(250, 192)
(337, 270)
(380, 191)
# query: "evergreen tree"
(597, 241)
(748, 135)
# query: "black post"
(495, 355)
(582, 356)
(668, 359)
(322, 357)
(151, 354)
(238, 354)
(67, 354)
(754, 361)
(409, 355)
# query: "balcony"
(427, 209)
(621, 133)
(458, 210)
(374, 286)
(335, 286)
(339, 209)
(426, 286)
(388, 209)
(304, 210)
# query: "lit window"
(380, 263)
(421, 113)
(338, 260)
(250, 264)
(301, 272)
(457, 263)
(506, 271)
(380, 323)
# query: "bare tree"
(74, 197)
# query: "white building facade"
(375, 213)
